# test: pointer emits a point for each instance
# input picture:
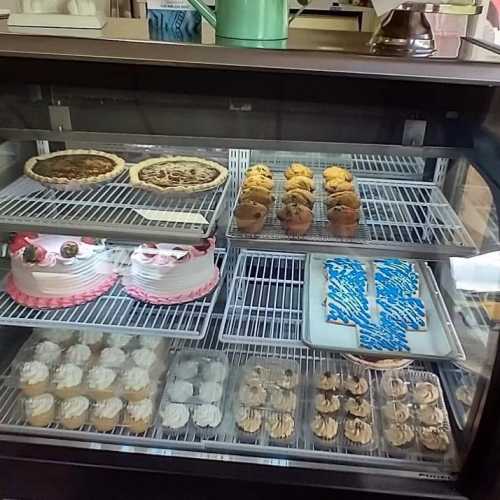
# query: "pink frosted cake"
(162, 273)
(52, 272)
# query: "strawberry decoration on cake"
(34, 254)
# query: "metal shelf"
(111, 211)
(400, 217)
(117, 312)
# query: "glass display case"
(419, 144)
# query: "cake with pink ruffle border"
(180, 298)
(58, 302)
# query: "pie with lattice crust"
(178, 174)
(74, 169)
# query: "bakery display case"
(299, 263)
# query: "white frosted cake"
(52, 271)
(163, 273)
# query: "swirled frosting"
(358, 431)
(79, 354)
(187, 369)
(207, 416)
(74, 407)
(57, 335)
(135, 379)
(426, 393)
(324, 426)
(90, 337)
(329, 381)
(430, 415)
(358, 407)
(434, 438)
(287, 378)
(68, 375)
(280, 425)
(210, 392)
(47, 352)
(465, 394)
(396, 411)
(112, 357)
(38, 405)
(326, 402)
(252, 395)
(118, 339)
(399, 434)
(214, 371)
(34, 372)
(140, 410)
(144, 357)
(394, 387)
(108, 408)
(150, 341)
(249, 419)
(357, 386)
(283, 399)
(100, 378)
(180, 391)
(175, 415)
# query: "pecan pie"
(74, 169)
(178, 174)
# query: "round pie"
(178, 174)
(74, 169)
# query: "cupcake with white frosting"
(144, 358)
(175, 416)
(68, 381)
(47, 352)
(136, 384)
(101, 382)
(74, 412)
(60, 336)
(207, 416)
(119, 340)
(92, 339)
(106, 414)
(78, 354)
(215, 371)
(34, 378)
(112, 357)
(152, 342)
(40, 410)
(139, 416)
(180, 391)
(210, 392)
(187, 370)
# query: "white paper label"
(170, 5)
(167, 216)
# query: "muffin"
(299, 197)
(336, 172)
(256, 180)
(342, 215)
(299, 182)
(324, 426)
(358, 407)
(40, 410)
(249, 420)
(358, 431)
(74, 412)
(344, 198)
(187, 369)
(395, 411)
(434, 438)
(174, 416)
(259, 195)
(47, 352)
(329, 381)
(214, 371)
(426, 393)
(357, 386)
(92, 339)
(399, 435)
(252, 395)
(112, 357)
(285, 378)
(430, 415)
(106, 414)
(259, 169)
(280, 425)
(136, 384)
(34, 378)
(180, 391)
(139, 416)
(118, 340)
(295, 219)
(59, 336)
(152, 342)
(326, 402)
(67, 381)
(144, 358)
(394, 387)
(465, 394)
(283, 399)
(210, 392)
(207, 416)
(297, 169)
(334, 186)
(78, 354)
(101, 382)
(250, 217)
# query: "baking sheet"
(438, 341)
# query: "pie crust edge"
(137, 182)
(88, 181)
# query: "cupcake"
(59, 336)
(214, 371)
(74, 412)
(249, 420)
(119, 340)
(250, 217)
(139, 416)
(394, 387)
(47, 352)
(91, 339)
(328, 381)
(68, 381)
(259, 195)
(187, 369)
(152, 342)
(112, 357)
(106, 414)
(252, 395)
(465, 394)
(295, 219)
(210, 392)
(174, 416)
(283, 399)
(180, 391)
(346, 198)
(399, 435)
(280, 425)
(297, 169)
(78, 354)
(324, 426)
(259, 169)
(207, 416)
(426, 393)
(136, 384)
(395, 411)
(358, 431)
(257, 375)
(342, 215)
(358, 407)
(326, 402)
(34, 378)
(299, 182)
(101, 382)
(336, 172)
(357, 386)
(144, 358)
(285, 378)
(299, 197)
(434, 438)
(256, 180)
(430, 415)
(40, 410)
(337, 185)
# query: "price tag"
(170, 5)
(168, 216)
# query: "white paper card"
(170, 5)
(167, 216)
(478, 274)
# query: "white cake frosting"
(39, 405)
(52, 275)
(150, 341)
(90, 337)
(175, 415)
(68, 375)
(140, 410)
(215, 371)
(135, 379)
(187, 369)
(144, 357)
(100, 378)
(78, 354)
(57, 335)
(34, 372)
(210, 392)
(74, 407)
(180, 391)
(207, 416)
(112, 357)
(118, 339)
(47, 352)
(109, 408)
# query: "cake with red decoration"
(162, 273)
(53, 272)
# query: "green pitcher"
(249, 19)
